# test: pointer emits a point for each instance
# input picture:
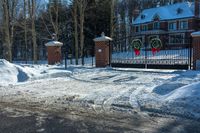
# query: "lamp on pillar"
(54, 37)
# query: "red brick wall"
(191, 24)
(164, 25)
(196, 51)
(102, 54)
(54, 54)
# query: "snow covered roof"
(196, 34)
(169, 12)
(102, 38)
(54, 43)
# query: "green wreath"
(136, 44)
(156, 43)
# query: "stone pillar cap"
(54, 43)
(195, 34)
(102, 38)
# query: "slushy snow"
(103, 89)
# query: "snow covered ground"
(102, 89)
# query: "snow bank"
(10, 73)
(183, 101)
(13, 73)
(188, 91)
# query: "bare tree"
(32, 7)
(7, 46)
(75, 14)
(9, 13)
(54, 21)
(33, 3)
(25, 28)
(112, 17)
(82, 5)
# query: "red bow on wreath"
(136, 45)
(155, 50)
(156, 45)
(137, 51)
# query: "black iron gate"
(156, 53)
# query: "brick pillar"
(196, 50)
(102, 51)
(54, 52)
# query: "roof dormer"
(156, 17)
(179, 11)
(143, 16)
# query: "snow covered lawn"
(88, 88)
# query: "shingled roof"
(169, 12)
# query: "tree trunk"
(54, 8)
(111, 18)
(7, 46)
(76, 31)
(82, 16)
(82, 4)
(25, 31)
(34, 32)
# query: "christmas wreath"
(136, 45)
(156, 45)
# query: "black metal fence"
(133, 53)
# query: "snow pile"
(184, 101)
(178, 95)
(10, 73)
(189, 91)
(13, 73)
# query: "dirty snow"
(102, 89)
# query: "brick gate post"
(54, 52)
(196, 50)
(102, 50)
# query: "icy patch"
(126, 79)
(22, 76)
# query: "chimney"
(158, 4)
(196, 8)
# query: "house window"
(176, 39)
(156, 25)
(172, 25)
(184, 24)
(137, 28)
(156, 17)
(144, 28)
